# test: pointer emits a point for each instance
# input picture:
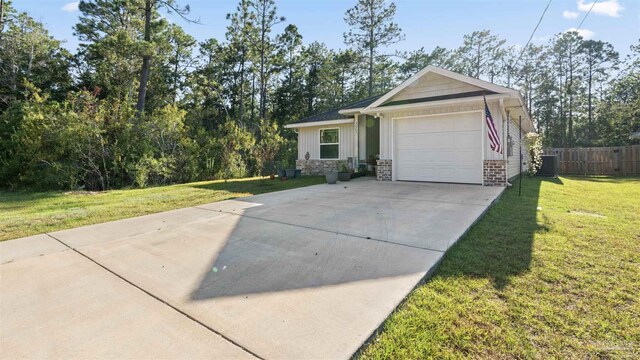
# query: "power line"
(587, 14)
(533, 33)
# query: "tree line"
(141, 102)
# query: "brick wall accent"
(383, 171)
(316, 167)
(494, 172)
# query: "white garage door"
(444, 148)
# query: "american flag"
(494, 139)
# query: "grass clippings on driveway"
(552, 274)
(24, 213)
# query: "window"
(329, 143)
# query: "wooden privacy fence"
(615, 160)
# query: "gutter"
(350, 111)
(319, 123)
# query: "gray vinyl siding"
(512, 161)
(309, 140)
(433, 85)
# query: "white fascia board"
(385, 109)
(520, 109)
(350, 111)
(320, 123)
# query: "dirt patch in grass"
(586, 213)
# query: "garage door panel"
(439, 148)
(420, 125)
(437, 140)
(438, 173)
(415, 157)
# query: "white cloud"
(609, 7)
(570, 14)
(71, 7)
(585, 33)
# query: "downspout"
(506, 153)
(484, 120)
(505, 136)
(356, 159)
(520, 152)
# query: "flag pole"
(520, 152)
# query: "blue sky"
(425, 23)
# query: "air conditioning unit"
(549, 166)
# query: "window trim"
(321, 143)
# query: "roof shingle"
(334, 114)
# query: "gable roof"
(490, 87)
(492, 90)
(380, 103)
(334, 114)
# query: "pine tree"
(478, 54)
(29, 54)
(567, 45)
(150, 10)
(417, 60)
(599, 58)
(240, 33)
(372, 28)
(265, 47)
(288, 104)
(179, 59)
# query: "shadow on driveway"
(264, 252)
(265, 256)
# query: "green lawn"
(26, 213)
(552, 274)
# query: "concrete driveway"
(304, 273)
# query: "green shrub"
(534, 146)
(98, 144)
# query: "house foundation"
(384, 169)
(316, 167)
(494, 173)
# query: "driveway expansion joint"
(157, 298)
(414, 199)
(323, 230)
